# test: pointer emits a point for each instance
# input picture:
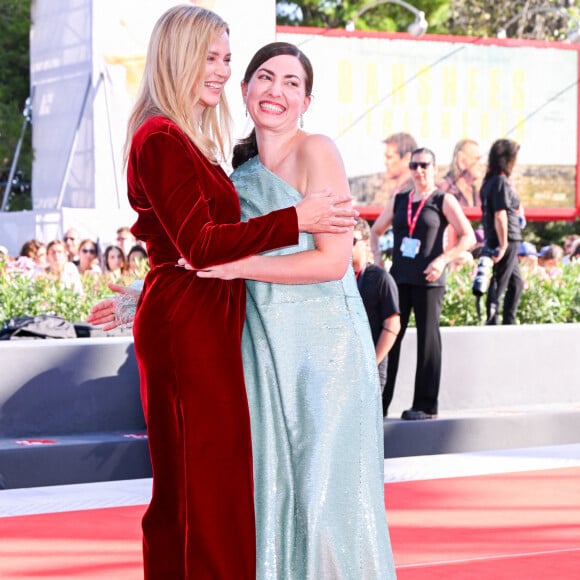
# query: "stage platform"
(70, 409)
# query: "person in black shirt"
(501, 212)
(380, 297)
(419, 218)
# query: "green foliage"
(387, 17)
(14, 90)
(543, 233)
(24, 296)
(544, 301)
(460, 17)
(552, 300)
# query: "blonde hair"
(173, 80)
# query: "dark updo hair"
(248, 147)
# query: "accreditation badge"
(410, 247)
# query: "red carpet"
(513, 525)
(517, 525)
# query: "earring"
(301, 122)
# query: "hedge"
(543, 301)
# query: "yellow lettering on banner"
(502, 125)
(387, 122)
(345, 83)
(424, 95)
(520, 133)
(464, 123)
(424, 131)
(372, 95)
(472, 87)
(494, 88)
(519, 95)
(484, 126)
(449, 86)
(446, 125)
(398, 83)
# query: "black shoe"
(415, 415)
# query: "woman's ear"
(244, 87)
(307, 101)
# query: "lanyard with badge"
(410, 245)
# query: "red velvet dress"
(200, 522)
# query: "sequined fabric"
(316, 418)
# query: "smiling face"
(276, 94)
(217, 72)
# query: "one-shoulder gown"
(316, 417)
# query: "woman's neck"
(274, 148)
(419, 194)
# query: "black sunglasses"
(422, 164)
(88, 251)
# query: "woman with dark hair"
(309, 359)
(89, 259)
(501, 210)
(114, 262)
(137, 261)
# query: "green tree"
(533, 19)
(14, 90)
(536, 19)
(387, 17)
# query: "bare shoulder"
(316, 149)
(313, 142)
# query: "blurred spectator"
(398, 149)
(576, 255)
(72, 240)
(4, 255)
(125, 239)
(465, 171)
(528, 257)
(36, 251)
(114, 263)
(550, 260)
(570, 243)
(138, 261)
(89, 258)
(380, 297)
(59, 268)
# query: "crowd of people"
(70, 259)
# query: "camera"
(483, 273)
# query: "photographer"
(501, 222)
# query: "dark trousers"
(426, 303)
(506, 278)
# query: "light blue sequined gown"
(316, 416)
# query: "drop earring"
(301, 121)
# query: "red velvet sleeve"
(187, 193)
